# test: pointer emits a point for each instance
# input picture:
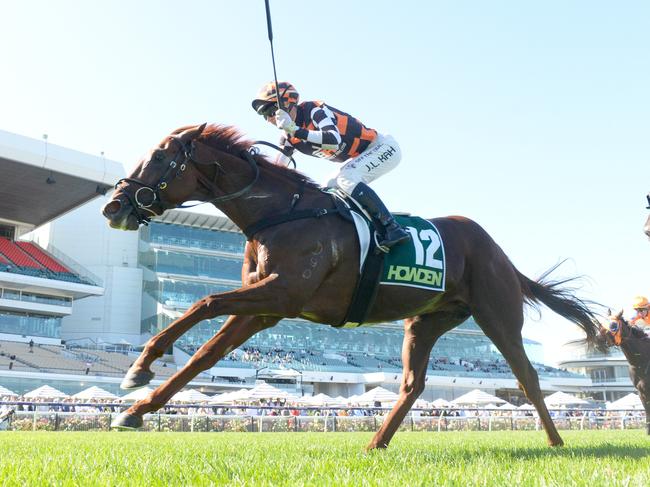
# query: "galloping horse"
(308, 268)
(635, 345)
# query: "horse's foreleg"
(232, 334)
(420, 334)
(255, 299)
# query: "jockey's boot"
(367, 198)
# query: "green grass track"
(590, 458)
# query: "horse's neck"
(272, 194)
(636, 350)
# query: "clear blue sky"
(532, 118)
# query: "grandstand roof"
(41, 181)
(200, 220)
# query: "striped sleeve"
(327, 136)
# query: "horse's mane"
(229, 139)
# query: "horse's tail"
(563, 301)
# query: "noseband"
(173, 171)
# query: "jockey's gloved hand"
(283, 121)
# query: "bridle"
(175, 169)
(615, 329)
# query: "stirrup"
(379, 247)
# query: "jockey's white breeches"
(382, 156)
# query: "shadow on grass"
(616, 451)
(595, 451)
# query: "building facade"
(609, 373)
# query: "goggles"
(267, 109)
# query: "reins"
(156, 196)
(142, 206)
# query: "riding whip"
(270, 29)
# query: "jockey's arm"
(327, 134)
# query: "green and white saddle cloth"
(421, 261)
(418, 263)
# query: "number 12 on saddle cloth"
(421, 261)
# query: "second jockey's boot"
(367, 198)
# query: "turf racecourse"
(591, 458)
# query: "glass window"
(35, 298)
(210, 266)
(30, 324)
(192, 237)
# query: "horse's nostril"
(112, 207)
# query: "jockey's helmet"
(267, 97)
(641, 302)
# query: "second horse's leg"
(232, 334)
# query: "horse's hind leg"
(499, 313)
(420, 334)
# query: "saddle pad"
(421, 261)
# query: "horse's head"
(163, 179)
(616, 329)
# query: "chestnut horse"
(635, 345)
(214, 164)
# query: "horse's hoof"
(126, 421)
(373, 446)
(133, 380)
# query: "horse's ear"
(609, 312)
(192, 133)
(620, 314)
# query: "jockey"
(642, 317)
(320, 130)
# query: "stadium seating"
(29, 259)
(16, 255)
(41, 257)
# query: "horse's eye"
(613, 327)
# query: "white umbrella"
(526, 407)
(477, 397)
(45, 392)
(94, 392)
(508, 407)
(560, 398)
(266, 391)
(421, 404)
(378, 394)
(352, 399)
(137, 395)
(6, 392)
(229, 397)
(631, 401)
(322, 400)
(440, 403)
(189, 395)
